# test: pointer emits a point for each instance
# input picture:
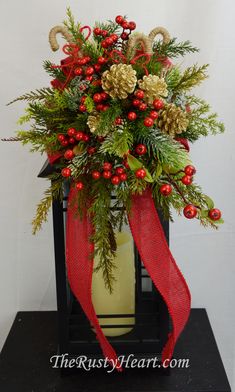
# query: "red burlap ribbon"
(80, 267)
(155, 254)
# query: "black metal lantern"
(149, 331)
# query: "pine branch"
(103, 237)
(201, 121)
(174, 49)
(72, 27)
(53, 192)
(191, 77)
(107, 119)
(166, 150)
(36, 95)
(118, 142)
(56, 73)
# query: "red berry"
(187, 180)
(64, 143)
(100, 138)
(141, 149)
(124, 36)
(97, 97)
(109, 41)
(69, 154)
(79, 185)
(136, 102)
(183, 142)
(102, 60)
(140, 173)
(66, 172)
(165, 189)
(119, 19)
(107, 166)
(114, 37)
(188, 108)
(119, 170)
(132, 25)
(71, 140)
(104, 95)
(82, 108)
(86, 138)
(132, 116)
(153, 114)
(104, 44)
(115, 180)
(89, 78)
(139, 94)
(79, 135)
(83, 99)
(123, 177)
(158, 104)
(107, 174)
(190, 211)
(96, 174)
(142, 107)
(89, 71)
(88, 59)
(99, 107)
(97, 31)
(97, 67)
(60, 137)
(215, 214)
(118, 121)
(78, 71)
(83, 61)
(104, 33)
(126, 164)
(105, 107)
(125, 25)
(71, 132)
(148, 122)
(91, 150)
(190, 170)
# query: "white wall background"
(27, 279)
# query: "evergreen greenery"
(52, 111)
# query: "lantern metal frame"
(75, 336)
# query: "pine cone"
(119, 81)
(153, 87)
(93, 121)
(172, 120)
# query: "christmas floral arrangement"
(117, 121)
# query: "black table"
(25, 362)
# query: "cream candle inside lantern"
(122, 299)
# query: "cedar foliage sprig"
(55, 191)
(190, 78)
(37, 95)
(174, 49)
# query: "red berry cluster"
(189, 171)
(99, 99)
(140, 105)
(116, 175)
(109, 39)
(121, 21)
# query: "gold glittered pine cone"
(119, 81)
(172, 120)
(153, 87)
(93, 121)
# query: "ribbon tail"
(155, 254)
(79, 263)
